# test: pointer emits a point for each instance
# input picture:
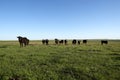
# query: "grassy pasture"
(60, 62)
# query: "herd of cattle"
(24, 41)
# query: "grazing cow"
(104, 42)
(61, 41)
(65, 42)
(23, 41)
(85, 41)
(79, 42)
(56, 41)
(74, 41)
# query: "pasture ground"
(60, 62)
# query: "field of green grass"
(60, 62)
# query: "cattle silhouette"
(65, 41)
(84, 41)
(23, 41)
(61, 41)
(74, 41)
(43, 41)
(27, 40)
(104, 42)
(56, 41)
(46, 41)
(79, 42)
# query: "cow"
(43, 41)
(74, 41)
(46, 41)
(61, 41)
(84, 41)
(56, 41)
(27, 40)
(104, 42)
(79, 42)
(23, 41)
(65, 41)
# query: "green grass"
(60, 62)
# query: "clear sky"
(62, 19)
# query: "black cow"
(43, 41)
(27, 40)
(23, 41)
(46, 41)
(74, 41)
(79, 42)
(65, 42)
(56, 41)
(61, 41)
(84, 41)
(104, 42)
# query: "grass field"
(60, 62)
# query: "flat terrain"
(60, 62)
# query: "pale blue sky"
(62, 19)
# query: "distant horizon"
(60, 39)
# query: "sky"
(62, 19)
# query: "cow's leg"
(24, 44)
(21, 45)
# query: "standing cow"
(74, 41)
(84, 41)
(79, 42)
(65, 41)
(56, 41)
(61, 41)
(46, 41)
(27, 40)
(104, 42)
(43, 41)
(23, 41)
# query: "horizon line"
(67, 39)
